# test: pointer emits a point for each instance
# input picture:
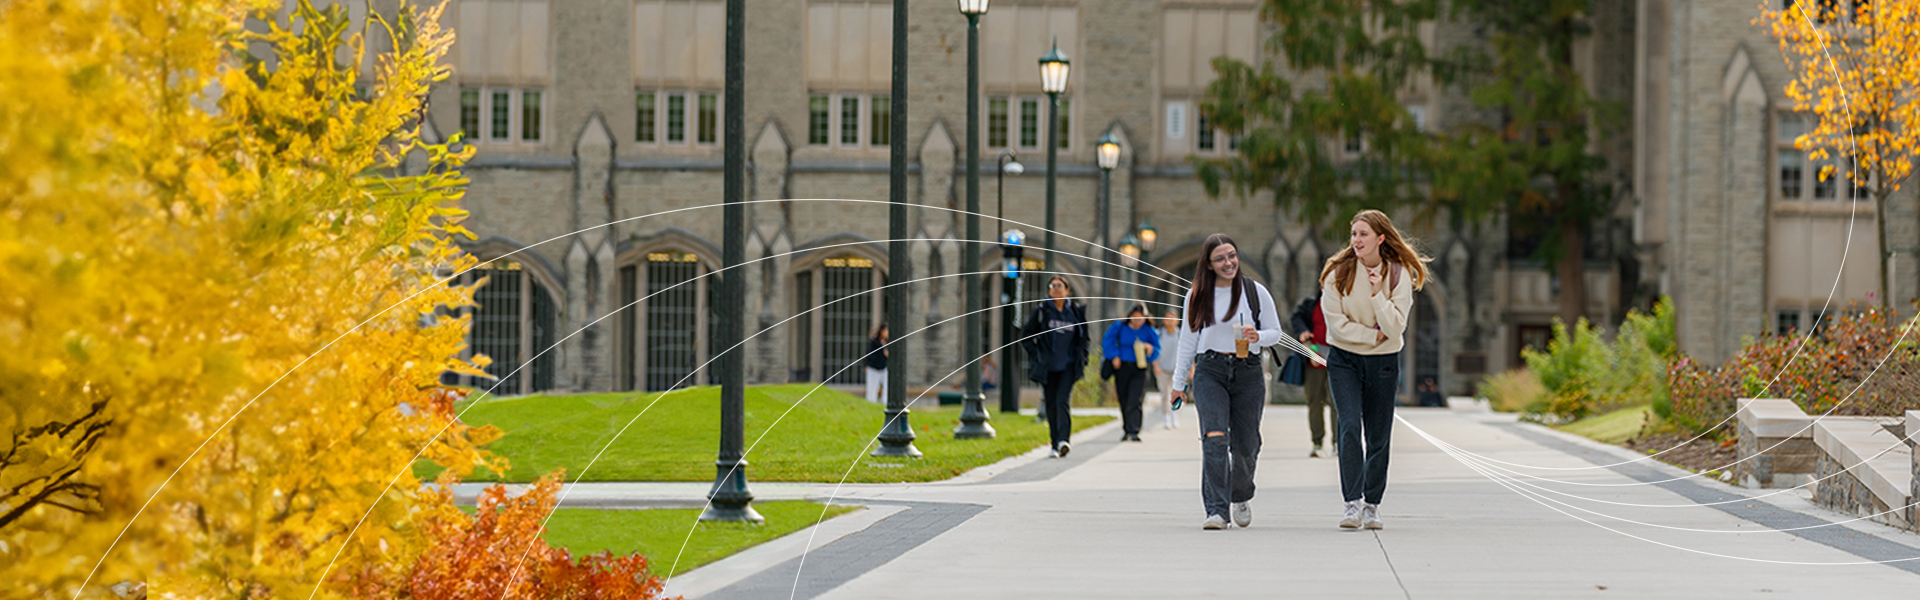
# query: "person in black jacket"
(876, 363)
(1311, 328)
(1055, 338)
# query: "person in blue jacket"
(1131, 347)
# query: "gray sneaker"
(1370, 517)
(1352, 518)
(1214, 522)
(1242, 514)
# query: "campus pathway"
(1123, 521)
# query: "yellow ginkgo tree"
(218, 296)
(1855, 70)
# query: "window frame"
(690, 117)
(486, 105)
(1013, 125)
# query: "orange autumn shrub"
(497, 552)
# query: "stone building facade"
(1730, 219)
(598, 179)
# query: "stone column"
(768, 239)
(587, 358)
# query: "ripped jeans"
(1230, 394)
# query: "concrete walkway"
(1123, 521)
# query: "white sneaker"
(1370, 517)
(1054, 453)
(1242, 514)
(1352, 518)
(1214, 522)
(1063, 449)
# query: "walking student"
(1131, 347)
(877, 365)
(1055, 338)
(1365, 292)
(1312, 326)
(1229, 319)
(1169, 329)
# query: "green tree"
(1530, 161)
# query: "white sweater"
(1352, 319)
(1219, 336)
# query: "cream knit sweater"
(1352, 319)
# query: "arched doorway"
(513, 324)
(840, 302)
(665, 338)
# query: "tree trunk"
(1572, 270)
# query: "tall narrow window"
(880, 130)
(709, 118)
(1064, 137)
(1786, 322)
(1791, 174)
(1857, 179)
(671, 316)
(849, 120)
(498, 128)
(1029, 123)
(469, 113)
(1354, 143)
(845, 285)
(803, 327)
(677, 118)
(1824, 180)
(530, 115)
(643, 128)
(997, 122)
(818, 120)
(1205, 132)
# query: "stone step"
(1875, 462)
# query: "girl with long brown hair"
(1366, 291)
(1228, 320)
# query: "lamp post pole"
(973, 416)
(1053, 80)
(729, 499)
(1010, 290)
(896, 435)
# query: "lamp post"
(1011, 243)
(729, 499)
(896, 435)
(1147, 237)
(1107, 152)
(1053, 80)
(1010, 287)
(973, 417)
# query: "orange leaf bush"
(497, 553)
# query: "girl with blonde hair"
(1366, 292)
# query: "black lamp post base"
(973, 420)
(896, 439)
(730, 500)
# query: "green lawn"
(659, 533)
(676, 439)
(1613, 428)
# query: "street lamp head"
(1013, 237)
(1014, 168)
(1129, 251)
(1147, 235)
(973, 7)
(1109, 151)
(1053, 70)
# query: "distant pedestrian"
(1228, 320)
(1131, 347)
(1163, 368)
(1313, 332)
(1365, 292)
(1055, 338)
(877, 365)
(1429, 393)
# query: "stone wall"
(1839, 490)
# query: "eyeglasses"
(1056, 286)
(1225, 258)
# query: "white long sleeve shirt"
(1219, 336)
(1353, 318)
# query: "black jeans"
(1057, 396)
(1130, 383)
(1363, 387)
(1230, 394)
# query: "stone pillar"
(937, 351)
(767, 279)
(587, 358)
